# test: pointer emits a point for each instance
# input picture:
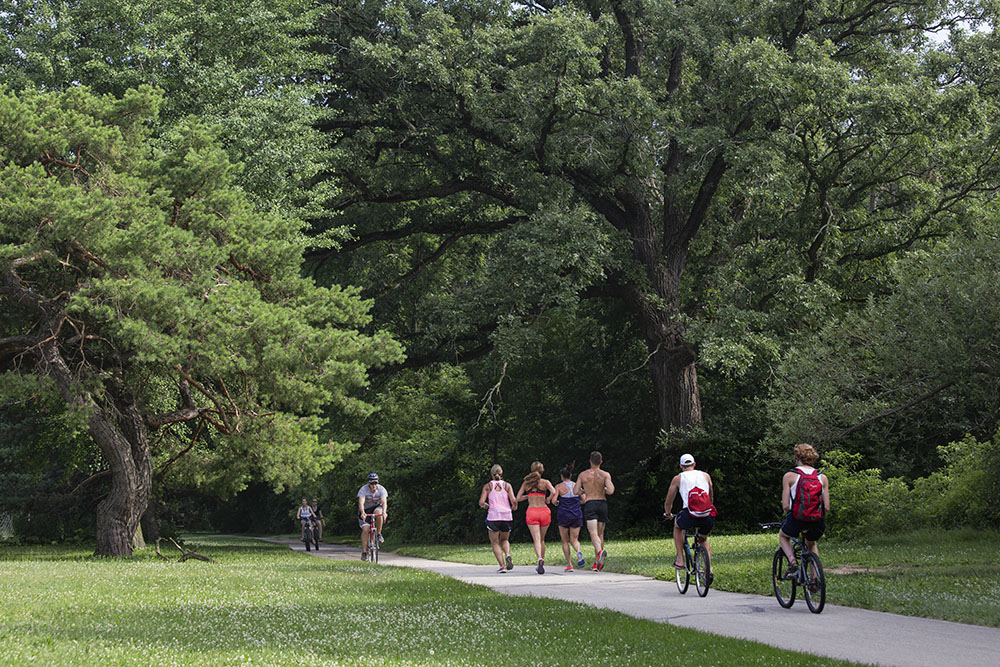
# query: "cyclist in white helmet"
(372, 499)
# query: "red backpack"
(808, 502)
(699, 503)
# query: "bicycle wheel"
(684, 576)
(375, 550)
(815, 587)
(784, 589)
(702, 570)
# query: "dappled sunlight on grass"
(263, 604)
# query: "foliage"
(263, 604)
(908, 371)
(729, 175)
(235, 64)
(159, 292)
(861, 501)
(419, 447)
(966, 490)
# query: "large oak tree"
(732, 168)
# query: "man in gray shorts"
(597, 484)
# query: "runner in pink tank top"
(497, 498)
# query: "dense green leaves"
(142, 280)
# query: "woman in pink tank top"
(498, 498)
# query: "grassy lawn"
(952, 575)
(265, 605)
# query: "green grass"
(952, 575)
(262, 604)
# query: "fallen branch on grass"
(186, 554)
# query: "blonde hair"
(532, 478)
(496, 472)
(806, 453)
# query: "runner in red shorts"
(538, 492)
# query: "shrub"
(861, 501)
(966, 491)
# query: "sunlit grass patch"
(262, 604)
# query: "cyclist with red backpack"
(805, 497)
(697, 495)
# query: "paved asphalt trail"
(846, 633)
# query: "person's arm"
(826, 493)
(668, 503)
(520, 494)
(711, 489)
(553, 496)
(609, 486)
(385, 506)
(484, 495)
(361, 504)
(786, 481)
(510, 494)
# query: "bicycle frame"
(373, 547)
(701, 579)
(808, 574)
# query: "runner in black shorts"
(596, 484)
(595, 510)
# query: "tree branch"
(888, 413)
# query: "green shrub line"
(262, 604)
(951, 575)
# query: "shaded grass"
(951, 575)
(263, 604)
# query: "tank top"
(791, 490)
(689, 480)
(569, 504)
(306, 512)
(499, 502)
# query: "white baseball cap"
(687, 460)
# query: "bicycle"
(698, 564)
(373, 547)
(808, 575)
(310, 535)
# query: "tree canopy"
(144, 288)
(726, 170)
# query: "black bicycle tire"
(777, 570)
(684, 574)
(702, 578)
(814, 568)
(375, 550)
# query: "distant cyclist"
(498, 498)
(318, 518)
(697, 509)
(372, 499)
(805, 498)
(305, 516)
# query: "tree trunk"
(672, 359)
(151, 523)
(675, 381)
(119, 513)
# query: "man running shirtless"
(597, 485)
